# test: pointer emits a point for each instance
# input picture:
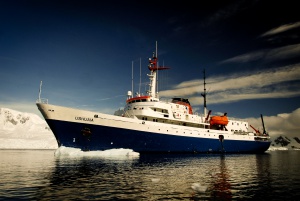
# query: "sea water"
(67, 174)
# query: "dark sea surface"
(42, 175)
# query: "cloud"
(282, 124)
(229, 11)
(286, 52)
(274, 83)
(280, 29)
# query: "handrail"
(42, 100)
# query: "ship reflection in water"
(221, 187)
(81, 175)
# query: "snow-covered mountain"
(285, 143)
(20, 130)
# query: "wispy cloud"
(229, 11)
(280, 29)
(286, 52)
(268, 55)
(261, 84)
(103, 99)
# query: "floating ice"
(155, 180)
(111, 153)
(199, 188)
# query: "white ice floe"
(199, 188)
(155, 180)
(278, 148)
(111, 153)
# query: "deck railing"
(42, 100)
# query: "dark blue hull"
(90, 137)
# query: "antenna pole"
(140, 75)
(40, 91)
(156, 49)
(262, 120)
(132, 79)
(157, 70)
(204, 93)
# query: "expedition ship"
(148, 124)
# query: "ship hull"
(91, 131)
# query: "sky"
(85, 53)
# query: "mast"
(156, 49)
(156, 90)
(40, 91)
(153, 67)
(132, 79)
(204, 94)
(262, 120)
(140, 76)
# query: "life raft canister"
(218, 120)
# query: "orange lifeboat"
(218, 120)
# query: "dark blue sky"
(83, 53)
